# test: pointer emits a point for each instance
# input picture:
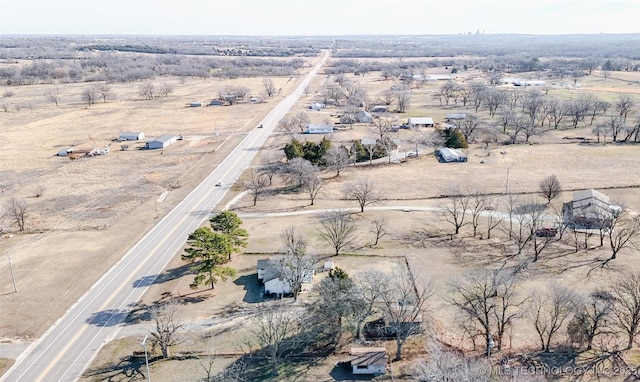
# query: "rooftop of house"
(368, 356)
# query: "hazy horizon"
(311, 18)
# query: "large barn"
(162, 141)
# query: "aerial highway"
(67, 348)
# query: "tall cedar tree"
(208, 249)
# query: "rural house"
(368, 360)
(420, 122)
(131, 136)
(364, 117)
(318, 129)
(589, 209)
(317, 106)
(269, 274)
(162, 141)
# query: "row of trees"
(492, 302)
(527, 223)
(114, 67)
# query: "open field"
(85, 219)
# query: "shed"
(420, 122)
(195, 104)
(447, 155)
(455, 116)
(131, 136)
(162, 141)
(371, 360)
(216, 102)
(379, 109)
(318, 129)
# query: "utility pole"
(13, 276)
(146, 357)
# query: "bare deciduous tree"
(54, 95)
(256, 185)
(312, 183)
(18, 211)
(296, 265)
(455, 211)
(623, 233)
(449, 365)
(363, 190)
(89, 95)
(477, 204)
(337, 230)
(489, 302)
(269, 87)
(147, 90)
(277, 330)
(369, 287)
(404, 304)
(591, 318)
(337, 158)
(379, 228)
(165, 89)
(626, 308)
(550, 188)
(167, 325)
(549, 309)
(403, 100)
(104, 91)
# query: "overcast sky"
(317, 17)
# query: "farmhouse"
(447, 155)
(589, 209)
(270, 275)
(420, 122)
(318, 129)
(368, 360)
(364, 117)
(162, 141)
(131, 136)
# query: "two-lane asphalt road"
(69, 346)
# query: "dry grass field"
(85, 219)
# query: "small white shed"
(368, 360)
(131, 136)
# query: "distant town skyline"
(310, 18)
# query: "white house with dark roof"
(274, 283)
